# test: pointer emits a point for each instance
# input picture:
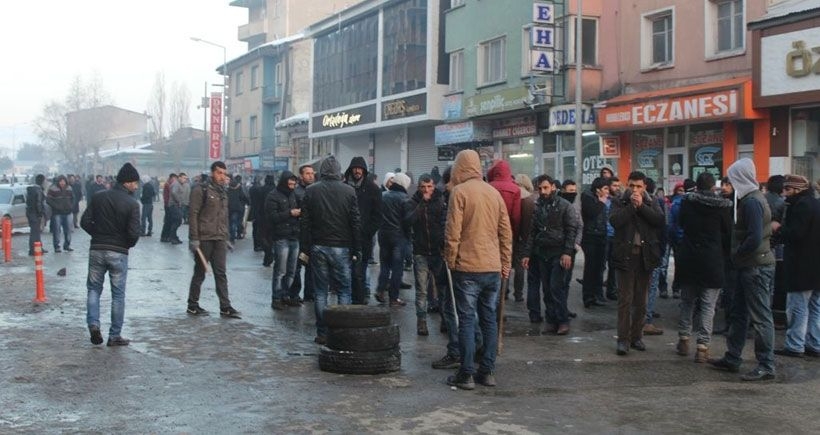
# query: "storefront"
(679, 133)
(559, 145)
(787, 82)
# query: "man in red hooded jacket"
(501, 178)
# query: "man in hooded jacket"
(282, 213)
(369, 200)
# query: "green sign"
(502, 101)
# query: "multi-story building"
(679, 82)
(96, 131)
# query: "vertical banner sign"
(215, 148)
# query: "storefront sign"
(280, 164)
(663, 112)
(542, 38)
(446, 153)
(515, 127)
(463, 132)
(790, 62)
(543, 13)
(283, 151)
(452, 106)
(404, 107)
(610, 147)
(502, 101)
(344, 119)
(562, 118)
(215, 147)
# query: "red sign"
(215, 148)
(661, 112)
(610, 147)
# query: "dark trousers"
(594, 258)
(553, 277)
(216, 253)
(35, 223)
(360, 288)
(611, 275)
(147, 219)
(633, 284)
(296, 286)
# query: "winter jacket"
(554, 227)
(177, 193)
(801, 238)
(34, 201)
(330, 211)
(208, 215)
(627, 220)
(278, 205)
(778, 206)
(148, 193)
(593, 212)
(500, 176)
(753, 218)
(394, 212)
(674, 230)
(77, 190)
(368, 198)
(706, 221)
(112, 218)
(61, 201)
(478, 236)
(427, 220)
(237, 200)
(527, 213)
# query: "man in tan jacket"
(478, 250)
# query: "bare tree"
(180, 111)
(157, 108)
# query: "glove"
(193, 245)
(304, 258)
(355, 256)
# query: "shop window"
(657, 49)
(705, 150)
(457, 71)
(647, 154)
(520, 154)
(492, 60)
(805, 142)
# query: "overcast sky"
(46, 43)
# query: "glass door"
(674, 169)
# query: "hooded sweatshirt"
(478, 236)
(278, 205)
(330, 212)
(368, 197)
(753, 218)
(500, 176)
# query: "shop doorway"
(674, 170)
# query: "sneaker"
(651, 329)
(117, 341)
(812, 353)
(682, 348)
(621, 348)
(421, 327)
(229, 312)
(486, 379)
(638, 345)
(197, 311)
(277, 305)
(293, 302)
(788, 352)
(675, 294)
(320, 339)
(449, 362)
(96, 335)
(395, 303)
(702, 354)
(722, 364)
(757, 374)
(461, 380)
(562, 329)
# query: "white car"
(13, 204)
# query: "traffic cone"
(40, 294)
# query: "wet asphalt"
(259, 374)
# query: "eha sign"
(542, 38)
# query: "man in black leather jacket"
(35, 211)
(369, 199)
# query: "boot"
(683, 346)
(702, 354)
(421, 327)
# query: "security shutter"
(422, 152)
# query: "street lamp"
(224, 87)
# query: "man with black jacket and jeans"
(112, 218)
(369, 200)
(330, 237)
(594, 212)
(35, 211)
(282, 213)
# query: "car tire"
(363, 339)
(356, 316)
(359, 363)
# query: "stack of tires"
(361, 340)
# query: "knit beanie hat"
(402, 180)
(689, 185)
(796, 182)
(127, 173)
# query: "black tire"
(363, 339)
(356, 316)
(359, 363)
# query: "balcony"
(251, 30)
(247, 3)
(271, 94)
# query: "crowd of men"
(465, 233)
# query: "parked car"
(13, 204)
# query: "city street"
(184, 374)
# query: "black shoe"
(229, 312)
(308, 299)
(449, 362)
(486, 379)
(67, 249)
(656, 315)
(57, 250)
(788, 352)
(176, 242)
(320, 339)
(164, 239)
(622, 348)
(461, 380)
(442, 328)
(757, 374)
(96, 335)
(519, 299)
(197, 311)
(293, 302)
(277, 305)
(675, 294)
(638, 345)
(593, 303)
(722, 364)
(572, 314)
(536, 319)
(405, 286)
(612, 296)
(812, 353)
(118, 341)
(664, 295)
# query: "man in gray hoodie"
(754, 265)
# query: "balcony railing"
(252, 29)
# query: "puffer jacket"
(646, 220)
(478, 236)
(427, 219)
(278, 205)
(208, 216)
(394, 213)
(554, 228)
(237, 200)
(593, 213)
(706, 221)
(500, 176)
(61, 201)
(34, 201)
(112, 218)
(330, 211)
(801, 237)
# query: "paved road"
(260, 374)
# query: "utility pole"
(205, 143)
(579, 151)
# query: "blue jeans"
(553, 277)
(429, 271)
(803, 315)
(116, 264)
(61, 222)
(235, 221)
(654, 280)
(392, 247)
(147, 219)
(751, 306)
(328, 264)
(285, 252)
(477, 293)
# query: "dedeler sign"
(215, 148)
(663, 112)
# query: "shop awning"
(708, 102)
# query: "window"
(725, 19)
(254, 76)
(492, 59)
(238, 83)
(457, 71)
(279, 73)
(662, 39)
(404, 66)
(589, 40)
(237, 130)
(253, 132)
(657, 37)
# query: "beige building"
(104, 129)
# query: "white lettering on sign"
(543, 37)
(562, 118)
(543, 13)
(684, 109)
(340, 120)
(543, 61)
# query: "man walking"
(282, 213)
(754, 264)
(207, 239)
(147, 200)
(60, 198)
(636, 252)
(330, 237)
(112, 218)
(35, 211)
(478, 250)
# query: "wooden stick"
(203, 260)
(502, 297)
